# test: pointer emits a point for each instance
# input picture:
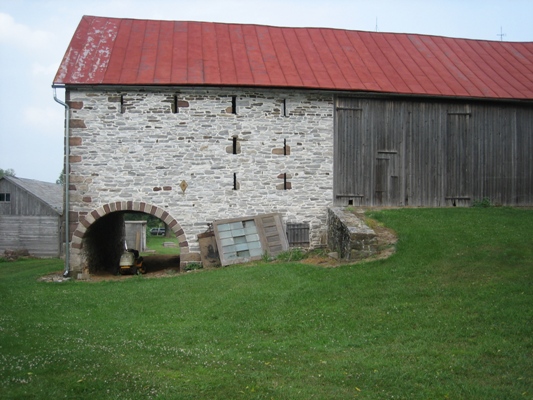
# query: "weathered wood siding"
(427, 153)
(27, 222)
(22, 202)
(40, 235)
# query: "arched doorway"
(104, 225)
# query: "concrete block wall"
(173, 149)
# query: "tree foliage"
(6, 172)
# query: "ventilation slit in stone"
(234, 104)
(175, 108)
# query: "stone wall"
(174, 150)
(349, 236)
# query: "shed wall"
(40, 235)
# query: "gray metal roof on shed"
(50, 193)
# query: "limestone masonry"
(195, 155)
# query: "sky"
(34, 35)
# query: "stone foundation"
(349, 236)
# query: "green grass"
(450, 315)
(155, 243)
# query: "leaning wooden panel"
(245, 239)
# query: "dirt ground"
(160, 266)
(157, 266)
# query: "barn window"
(298, 234)
(284, 105)
(5, 197)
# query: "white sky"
(34, 35)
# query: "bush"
(295, 254)
(482, 203)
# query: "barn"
(30, 216)
(197, 122)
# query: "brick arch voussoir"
(94, 215)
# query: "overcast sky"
(34, 35)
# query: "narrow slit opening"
(175, 108)
(234, 104)
(234, 181)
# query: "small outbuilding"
(30, 216)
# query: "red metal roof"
(113, 51)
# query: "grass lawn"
(449, 316)
(155, 243)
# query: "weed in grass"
(266, 257)
(193, 266)
(295, 254)
(372, 223)
(484, 203)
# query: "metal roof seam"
(406, 52)
(124, 70)
(319, 56)
(262, 53)
(486, 73)
(219, 60)
(329, 55)
(368, 48)
(393, 54)
(304, 53)
(463, 61)
(346, 60)
(150, 52)
(160, 48)
(453, 67)
(518, 86)
(354, 67)
(522, 62)
(429, 58)
(277, 58)
(241, 43)
(291, 60)
(117, 55)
